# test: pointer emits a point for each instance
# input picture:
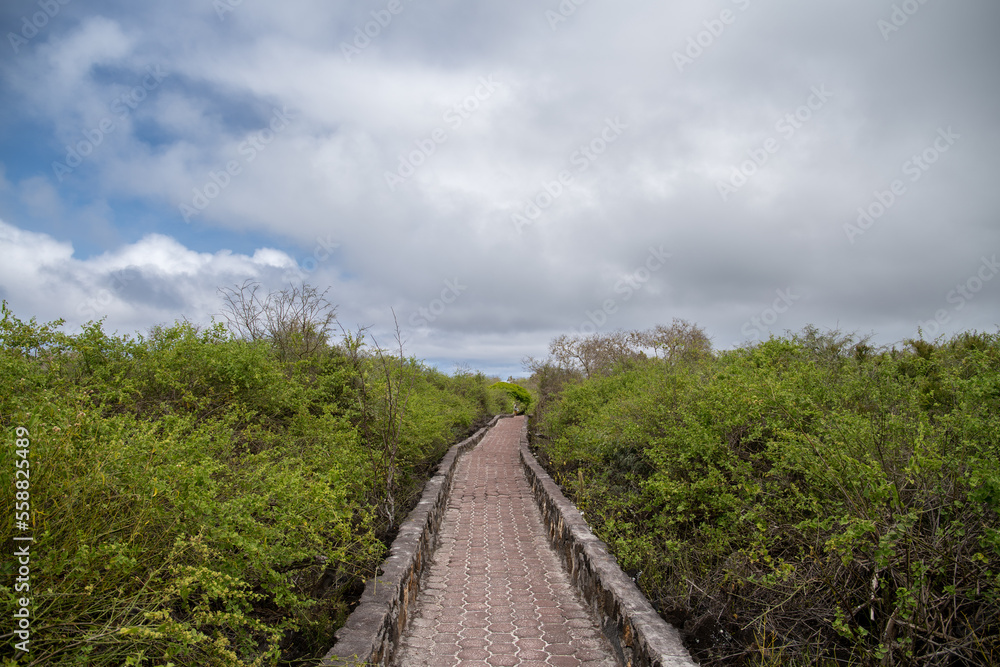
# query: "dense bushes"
(520, 395)
(203, 500)
(809, 500)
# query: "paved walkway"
(496, 593)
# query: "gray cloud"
(323, 176)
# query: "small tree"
(520, 395)
(383, 384)
(297, 320)
(594, 354)
(680, 340)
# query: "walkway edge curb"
(638, 636)
(372, 631)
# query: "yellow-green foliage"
(520, 396)
(195, 500)
(806, 501)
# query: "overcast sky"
(499, 173)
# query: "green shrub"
(196, 499)
(807, 499)
(521, 397)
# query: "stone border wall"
(372, 631)
(638, 636)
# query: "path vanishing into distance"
(496, 592)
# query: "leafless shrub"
(296, 320)
(599, 353)
(383, 384)
(680, 340)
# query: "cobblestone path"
(496, 593)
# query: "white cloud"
(153, 280)
(97, 41)
(321, 180)
(56, 77)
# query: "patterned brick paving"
(496, 593)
